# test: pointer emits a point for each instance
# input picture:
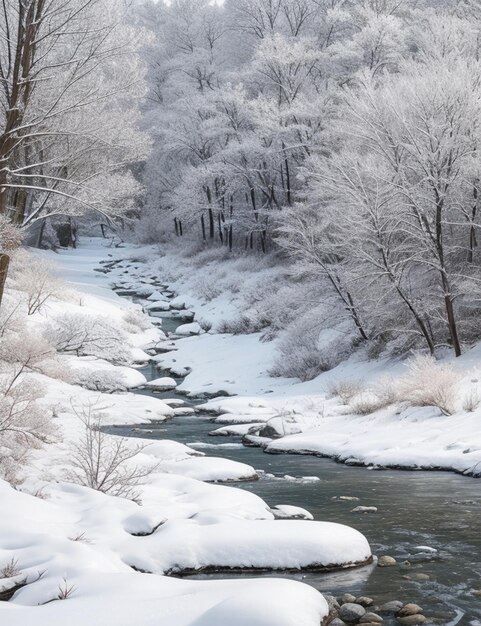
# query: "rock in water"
(371, 618)
(410, 609)
(351, 613)
(391, 607)
(411, 620)
(364, 601)
(386, 561)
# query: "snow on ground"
(79, 543)
(78, 555)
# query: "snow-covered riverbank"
(70, 553)
(305, 417)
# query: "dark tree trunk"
(4, 263)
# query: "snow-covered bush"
(206, 288)
(24, 424)
(99, 380)
(242, 325)
(105, 462)
(471, 401)
(429, 383)
(36, 280)
(299, 355)
(134, 321)
(88, 335)
(346, 389)
(29, 352)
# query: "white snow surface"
(88, 542)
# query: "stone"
(347, 597)
(411, 620)
(364, 601)
(409, 609)
(337, 622)
(391, 607)
(364, 509)
(351, 613)
(334, 607)
(371, 618)
(417, 576)
(386, 561)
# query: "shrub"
(104, 462)
(88, 335)
(429, 383)
(38, 283)
(104, 381)
(471, 401)
(135, 321)
(346, 390)
(24, 424)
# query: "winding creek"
(437, 509)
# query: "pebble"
(347, 597)
(417, 576)
(364, 601)
(476, 592)
(411, 620)
(386, 561)
(371, 618)
(337, 622)
(391, 607)
(351, 613)
(410, 609)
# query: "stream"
(441, 510)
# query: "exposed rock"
(333, 605)
(347, 597)
(351, 613)
(364, 601)
(364, 509)
(336, 622)
(411, 620)
(410, 609)
(417, 576)
(386, 561)
(371, 618)
(390, 607)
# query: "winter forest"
(240, 290)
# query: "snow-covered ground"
(75, 555)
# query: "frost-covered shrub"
(299, 355)
(37, 282)
(25, 425)
(104, 381)
(471, 401)
(135, 321)
(346, 389)
(88, 335)
(26, 351)
(207, 288)
(105, 462)
(429, 383)
(243, 325)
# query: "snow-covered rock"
(161, 384)
(188, 329)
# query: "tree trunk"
(4, 263)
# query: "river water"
(441, 510)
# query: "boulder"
(351, 613)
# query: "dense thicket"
(345, 132)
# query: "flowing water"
(437, 509)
